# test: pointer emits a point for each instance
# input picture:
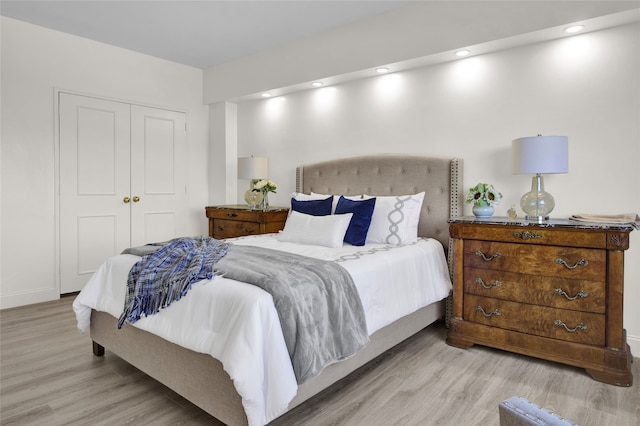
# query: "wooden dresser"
(240, 220)
(551, 290)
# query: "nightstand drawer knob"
(490, 314)
(231, 214)
(488, 286)
(581, 326)
(581, 262)
(561, 292)
(488, 259)
(526, 235)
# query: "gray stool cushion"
(518, 411)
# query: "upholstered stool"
(518, 411)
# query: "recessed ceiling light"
(382, 70)
(266, 95)
(573, 29)
(317, 84)
(462, 53)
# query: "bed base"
(201, 378)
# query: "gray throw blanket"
(318, 304)
(320, 311)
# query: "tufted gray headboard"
(387, 174)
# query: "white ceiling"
(201, 33)
(307, 40)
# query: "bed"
(202, 379)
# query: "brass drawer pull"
(230, 214)
(581, 326)
(526, 235)
(561, 292)
(581, 262)
(488, 286)
(490, 314)
(488, 259)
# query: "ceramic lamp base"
(253, 198)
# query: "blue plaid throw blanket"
(164, 276)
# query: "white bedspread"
(237, 322)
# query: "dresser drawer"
(571, 326)
(551, 261)
(578, 295)
(533, 235)
(233, 228)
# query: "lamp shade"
(540, 154)
(253, 168)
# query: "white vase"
(482, 211)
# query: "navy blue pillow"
(313, 207)
(359, 226)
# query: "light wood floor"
(50, 377)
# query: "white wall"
(36, 61)
(586, 87)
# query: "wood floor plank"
(49, 376)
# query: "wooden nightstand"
(240, 220)
(552, 291)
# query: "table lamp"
(253, 169)
(538, 155)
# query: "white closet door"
(122, 181)
(158, 175)
(94, 179)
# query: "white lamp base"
(537, 204)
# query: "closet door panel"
(94, 179)
(158, 174)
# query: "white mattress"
(237, 322)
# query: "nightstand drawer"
(577, 295)
(239, 215)
(566, 325)
(553, 261)
(232, 228)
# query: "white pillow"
(300, 196)
(395, 219)
(335, 199)
(325, 231)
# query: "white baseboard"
(28, 298)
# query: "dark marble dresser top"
(550, 223)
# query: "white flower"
(265, 186)
(483, 194)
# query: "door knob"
(126, 200)
(136, 198)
